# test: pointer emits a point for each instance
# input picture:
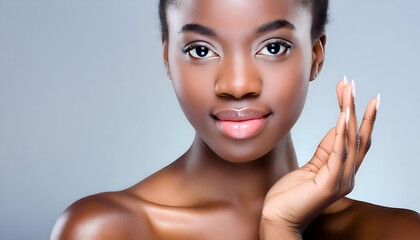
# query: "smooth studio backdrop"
(86, 107)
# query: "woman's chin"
(239, 153)
(229, 147)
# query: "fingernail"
(378, 101)
(345, 80)
(347, 117)
(353, 88)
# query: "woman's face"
(234, 55)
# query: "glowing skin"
(239, 71)
(232, 61)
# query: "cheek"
(193, 87)
(286, 86)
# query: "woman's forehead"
(229, 16)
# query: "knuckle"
(368, 144)
(357, 139)
(374, 118)
(347, 191)
(344, 154)
(347, 188)
(351, 186)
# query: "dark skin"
(224, 188)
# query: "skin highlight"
(221, 187)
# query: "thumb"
(322, 152)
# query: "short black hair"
(319, 16)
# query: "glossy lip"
(242, 114)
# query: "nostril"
(240, 96)
(251, 94)
(238, 89)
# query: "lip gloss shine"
(241, 129)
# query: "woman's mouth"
(241, 123)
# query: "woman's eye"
(200, 52)
(274, 49)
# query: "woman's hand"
(298, 197)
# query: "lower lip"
(242, 129)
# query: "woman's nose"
(238, 78)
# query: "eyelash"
(284, 44)
(194, 46)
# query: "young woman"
(240, 70)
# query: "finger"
(324, 149)
(347, 179)
(366, 128)
(330, 173)
(339, 90)
(322, 152)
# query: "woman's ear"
(318, 56)
(165, 58)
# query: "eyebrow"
(274, 25)
(198, 28)
(271, 26)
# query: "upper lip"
(243, 114)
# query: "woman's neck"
(236, 183)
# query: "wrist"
(276, 231)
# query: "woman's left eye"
(274, 49)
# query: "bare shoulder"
(107, 215)
(353, 219)
(388, 222)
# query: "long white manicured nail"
(345, 80)
(353, 88)
(378, 101)
(347, 117)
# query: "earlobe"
(318, 56)
(165, 58)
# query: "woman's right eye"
(200, 52)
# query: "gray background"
(85, 105)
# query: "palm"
(295, 190)
(299, 196)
